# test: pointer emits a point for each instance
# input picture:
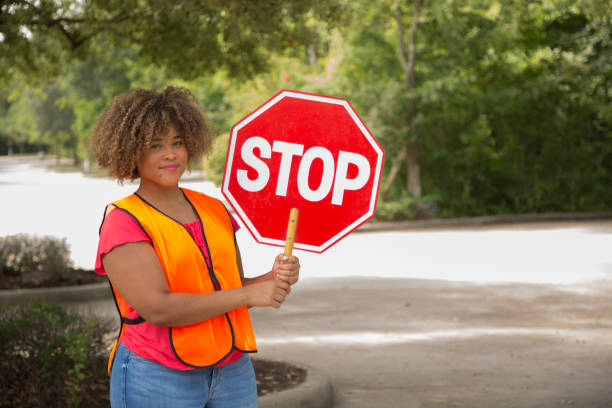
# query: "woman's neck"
(157, 194)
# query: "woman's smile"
(170, 167)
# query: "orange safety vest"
(207, 343)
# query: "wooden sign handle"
(291, 228)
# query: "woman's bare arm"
(136, 273)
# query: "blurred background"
(490, 112)
(483, 107)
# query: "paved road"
(432, 343)
(419, 343)
(400, 342)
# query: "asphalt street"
(433, 343)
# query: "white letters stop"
(334, 174)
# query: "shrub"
(47, 357)
(405, 208)
(34, 259)
(215, 163)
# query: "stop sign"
(306, 151)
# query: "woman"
(173, 263)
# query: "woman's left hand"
(286, 268)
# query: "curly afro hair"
(128, 125)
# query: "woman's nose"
(169, 152)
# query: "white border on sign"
(316, 98)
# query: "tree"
(385, 32)
(188, 38)
(54, 120)
(17, 119)
(513, 100)
(410, 148)
(91, 50)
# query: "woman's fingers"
(288, 268)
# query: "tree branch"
(401, 48)
(71, 20)
(412, 46)
(407, 57)
(75, 38)
(397, 164)
(410, 149)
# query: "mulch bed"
(274, 376)
(76, 277)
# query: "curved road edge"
(315, 392)
(373, 226)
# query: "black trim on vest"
(120, 327)
(236, 245)
(102, 223)
(197, 366)
(122, 320)
(137, 320)
(114, 299)
(208, 263)
(211, 274)
(135, 219)
(215, 282)
(233, 228)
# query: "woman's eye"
(178, 143)
(155, 146)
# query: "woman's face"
(164, 160)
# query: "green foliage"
(513, 105)
(34, 259)
(215, 163)
(512, 99)
(188, 38)
(45, 354)
(405, 208)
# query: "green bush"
(48, 357)
(215, 162)
(405, 208)
(34, 259)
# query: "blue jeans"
(137, 382)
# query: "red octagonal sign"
(306, 151)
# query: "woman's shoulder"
(120, 223)
(118, 228)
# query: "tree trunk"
(413, 182)
(57, 152)
(409, 154)
(397, 164)
(410, 149)
(74, 147)
(312, 55)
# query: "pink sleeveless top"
(144, 339)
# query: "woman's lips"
(170, 167)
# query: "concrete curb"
(82, 293)
(315, 392)
(481, 221)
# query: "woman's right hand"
(270, 293)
